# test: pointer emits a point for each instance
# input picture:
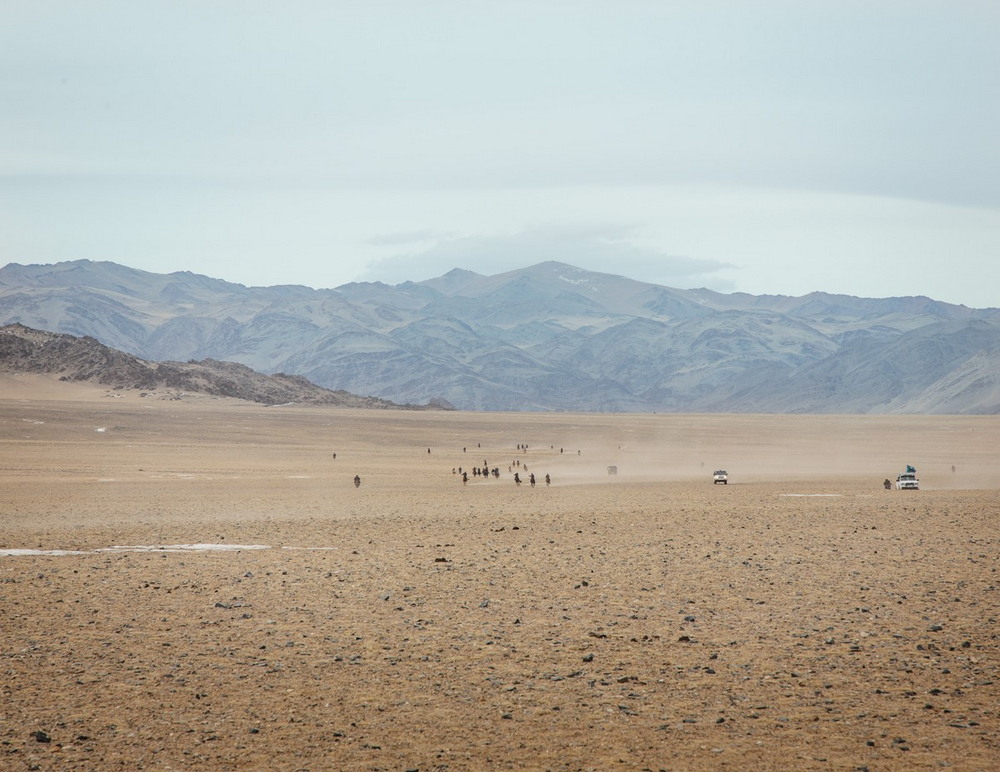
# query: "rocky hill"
(548, 337)
(26, 350)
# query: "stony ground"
(223, 596)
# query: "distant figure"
(428, 450)
(465, 477)
(548, 480)
(531, 479)
(517, 479)
(887, 485)
(334, 456)
(357, 481)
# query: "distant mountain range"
(548, 337)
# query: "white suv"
(720, 476)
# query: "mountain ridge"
(547, 337)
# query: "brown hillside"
(84, 359)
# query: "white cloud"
(606, 248)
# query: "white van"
(908, 481)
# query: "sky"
(768, 147)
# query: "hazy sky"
(766, 147)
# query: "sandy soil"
(224, 597)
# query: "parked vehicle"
(908, 481)
(720, 476)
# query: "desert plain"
(190, 582)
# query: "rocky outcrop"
(26, 350)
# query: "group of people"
(486, 471)
(531, 479)
(483, 471)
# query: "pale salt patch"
(183, 547)
(119, 548)
(812, 495)
(100, 429)
(16, 552)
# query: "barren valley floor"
(199, 583)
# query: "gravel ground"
(221, 595)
